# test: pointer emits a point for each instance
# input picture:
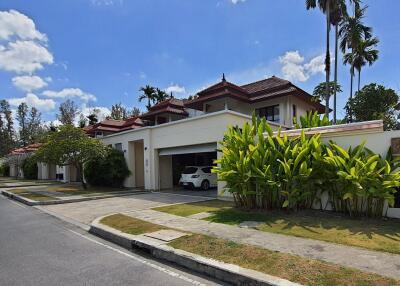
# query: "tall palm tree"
(326, 6)
(149, 93)
(351, 32)
(364, 53)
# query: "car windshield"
(189, 170)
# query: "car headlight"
(195, 176)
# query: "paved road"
(38, 249)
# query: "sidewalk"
(365, 260)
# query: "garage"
(173, 161)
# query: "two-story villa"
(176, 133)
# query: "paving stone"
(166, 234)
(201, 215)
(250, 224)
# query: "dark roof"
(252, 92)
(114, 126)
(168, 106)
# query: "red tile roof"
(27, 149)
(114, 126)
(168, 106)
(253, 92)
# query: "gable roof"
(113, 126)
(168, 106)
(253, 92)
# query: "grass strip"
(374, 234)
(294, 268)
(130, 225)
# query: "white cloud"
(316, 65)
(237, 1)
(70, 92)
(142, 75)
(294, 68)
(15, 24)
(33, 101)
(28, 83)
(174, 88)
(24, 56)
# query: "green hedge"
(278, 172)
(30, 168)
(109, 171)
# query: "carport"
(172, 161)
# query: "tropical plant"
(352, 31)
(70, 146)
(320, 90)
(362, 180)
(374, 102)
(268, 170)
(311, 119)
(110, 170)
(30, 168)
(149, 94)
(161, 95)
(4, 170)
(365, 53)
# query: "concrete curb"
(30, 202)
(230, 273)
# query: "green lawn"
(381, 235)
(32, 195)
(293, 268)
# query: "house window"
(271, 113)
(118, 146)
(294, 111)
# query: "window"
(271, 113)
(206, 170)
(189, 170)
(118, 146)
(397, 199)
(294, 111)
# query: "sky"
(100, 52)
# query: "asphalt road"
(38, 249)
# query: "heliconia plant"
(268, 170)
(311, 119)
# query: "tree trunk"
(351, 92)
(79, 170)
(336, 70)
(359, 79)
(327, 60)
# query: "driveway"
(86, 212)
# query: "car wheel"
(205, 185)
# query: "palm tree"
(326, 6)
(365, 53)
(149, 93)
(351, 33)
(160, 95)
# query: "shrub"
(278, 172)
(110, 170)
(30, 168)
(4, 170)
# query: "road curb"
(230, 273)
(30, 202)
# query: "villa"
(176, 133)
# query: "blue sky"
(100, 52)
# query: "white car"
(198, 177)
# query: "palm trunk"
(327, 60)
(336, 70)
(351, 92)
(359, 79)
